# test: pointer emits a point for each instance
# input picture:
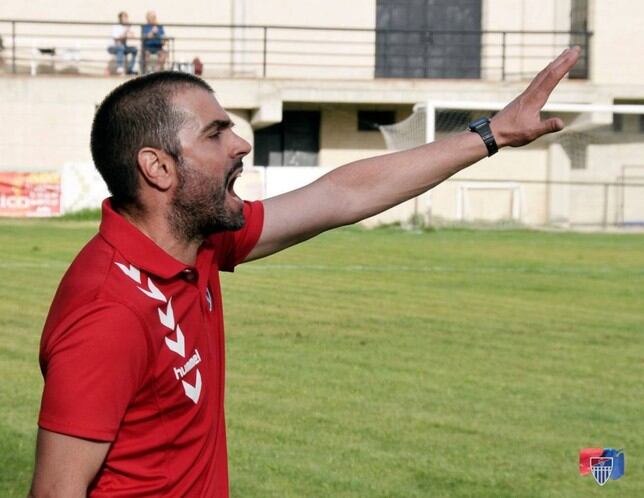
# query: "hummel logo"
(166, 318)
(194, 360)
(193, 392)
(131, 272)
(153, 291)
(178, 346)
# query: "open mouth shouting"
(232, 177)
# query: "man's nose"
(241, 147)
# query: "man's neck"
(159, 230)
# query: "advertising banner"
(30, 194)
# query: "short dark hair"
(139, 113)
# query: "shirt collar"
(137, 248)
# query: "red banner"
(29, 194)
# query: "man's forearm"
(361, 189)
(369, 186)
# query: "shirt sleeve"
(93, 366)
(231, 248)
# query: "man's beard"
(198, 207)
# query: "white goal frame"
(462, 200)
(431, 106)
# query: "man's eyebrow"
(217, 125)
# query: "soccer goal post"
(587, 172)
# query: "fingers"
(551, 125)
(538, 79)
(545, 82)
(562, 64)
(560, 68)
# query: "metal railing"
(35, 47)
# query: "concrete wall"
(47, 119)
(331, 13)
(341, 141)
(45, 123)
(622, 163)
(468, 200)
(524, 53)
(189, 11)
(618, 44)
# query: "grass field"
(454, 363)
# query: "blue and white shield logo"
(601, 468)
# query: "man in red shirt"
(132, 351)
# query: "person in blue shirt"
(153, 44)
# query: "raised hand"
(519, 122)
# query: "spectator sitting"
(119, 47)
(153, 41)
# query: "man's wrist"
(481, 127)
(499, 136)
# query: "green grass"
(383, 363)
(87, 214)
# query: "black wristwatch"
(482, 127)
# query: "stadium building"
(334, 81)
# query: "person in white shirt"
(121, 32)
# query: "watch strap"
(482, 127)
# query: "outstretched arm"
(364, 188)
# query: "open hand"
(519, 122)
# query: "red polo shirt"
(133, 353)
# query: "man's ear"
(157, 167)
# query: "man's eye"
(214, 136)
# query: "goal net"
(589, 175)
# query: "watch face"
(479, 122)
(482, 127)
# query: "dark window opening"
(628, 123)
(371, 120)
(428, 38)
(579, 27)
(618, 122)
(293, 142)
